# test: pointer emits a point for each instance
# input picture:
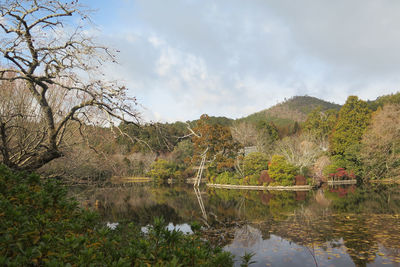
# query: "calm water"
(334, 226)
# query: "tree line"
(359, 141)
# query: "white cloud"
(183, 58)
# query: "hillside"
(384, 99)
(213, 120)
(290, 111)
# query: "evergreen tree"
(296, 128)
(345, 142)
(269, 129)
(353, 119)
(321, 123)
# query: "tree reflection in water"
(340, 225)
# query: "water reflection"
(329, 227)
(277, 251)
(184, 228)
(201, 204)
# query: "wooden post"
(200, 170)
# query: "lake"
(331, 226)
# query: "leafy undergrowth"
(41, 226)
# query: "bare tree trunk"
(44, 56)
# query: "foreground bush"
(41, 226)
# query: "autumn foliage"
(217, 142)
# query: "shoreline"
(261, 187)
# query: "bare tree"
(247, 134)
(301, 150)
(380, 151)
(47, 49)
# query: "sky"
(184, 58)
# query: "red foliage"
(342, 192)
(342, 174)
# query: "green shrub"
(348, 161)
(235, 181)
(281, 171)
(251, 180)
(41, 226)
(225, 178)
(254, 163)
(161, 170)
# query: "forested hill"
(283, 115)
(287, 112)
(224, 121)
(296, 109)
(290, 111)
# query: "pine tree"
(354, 118)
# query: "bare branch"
(55, 63)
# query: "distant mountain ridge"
(294, 109)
